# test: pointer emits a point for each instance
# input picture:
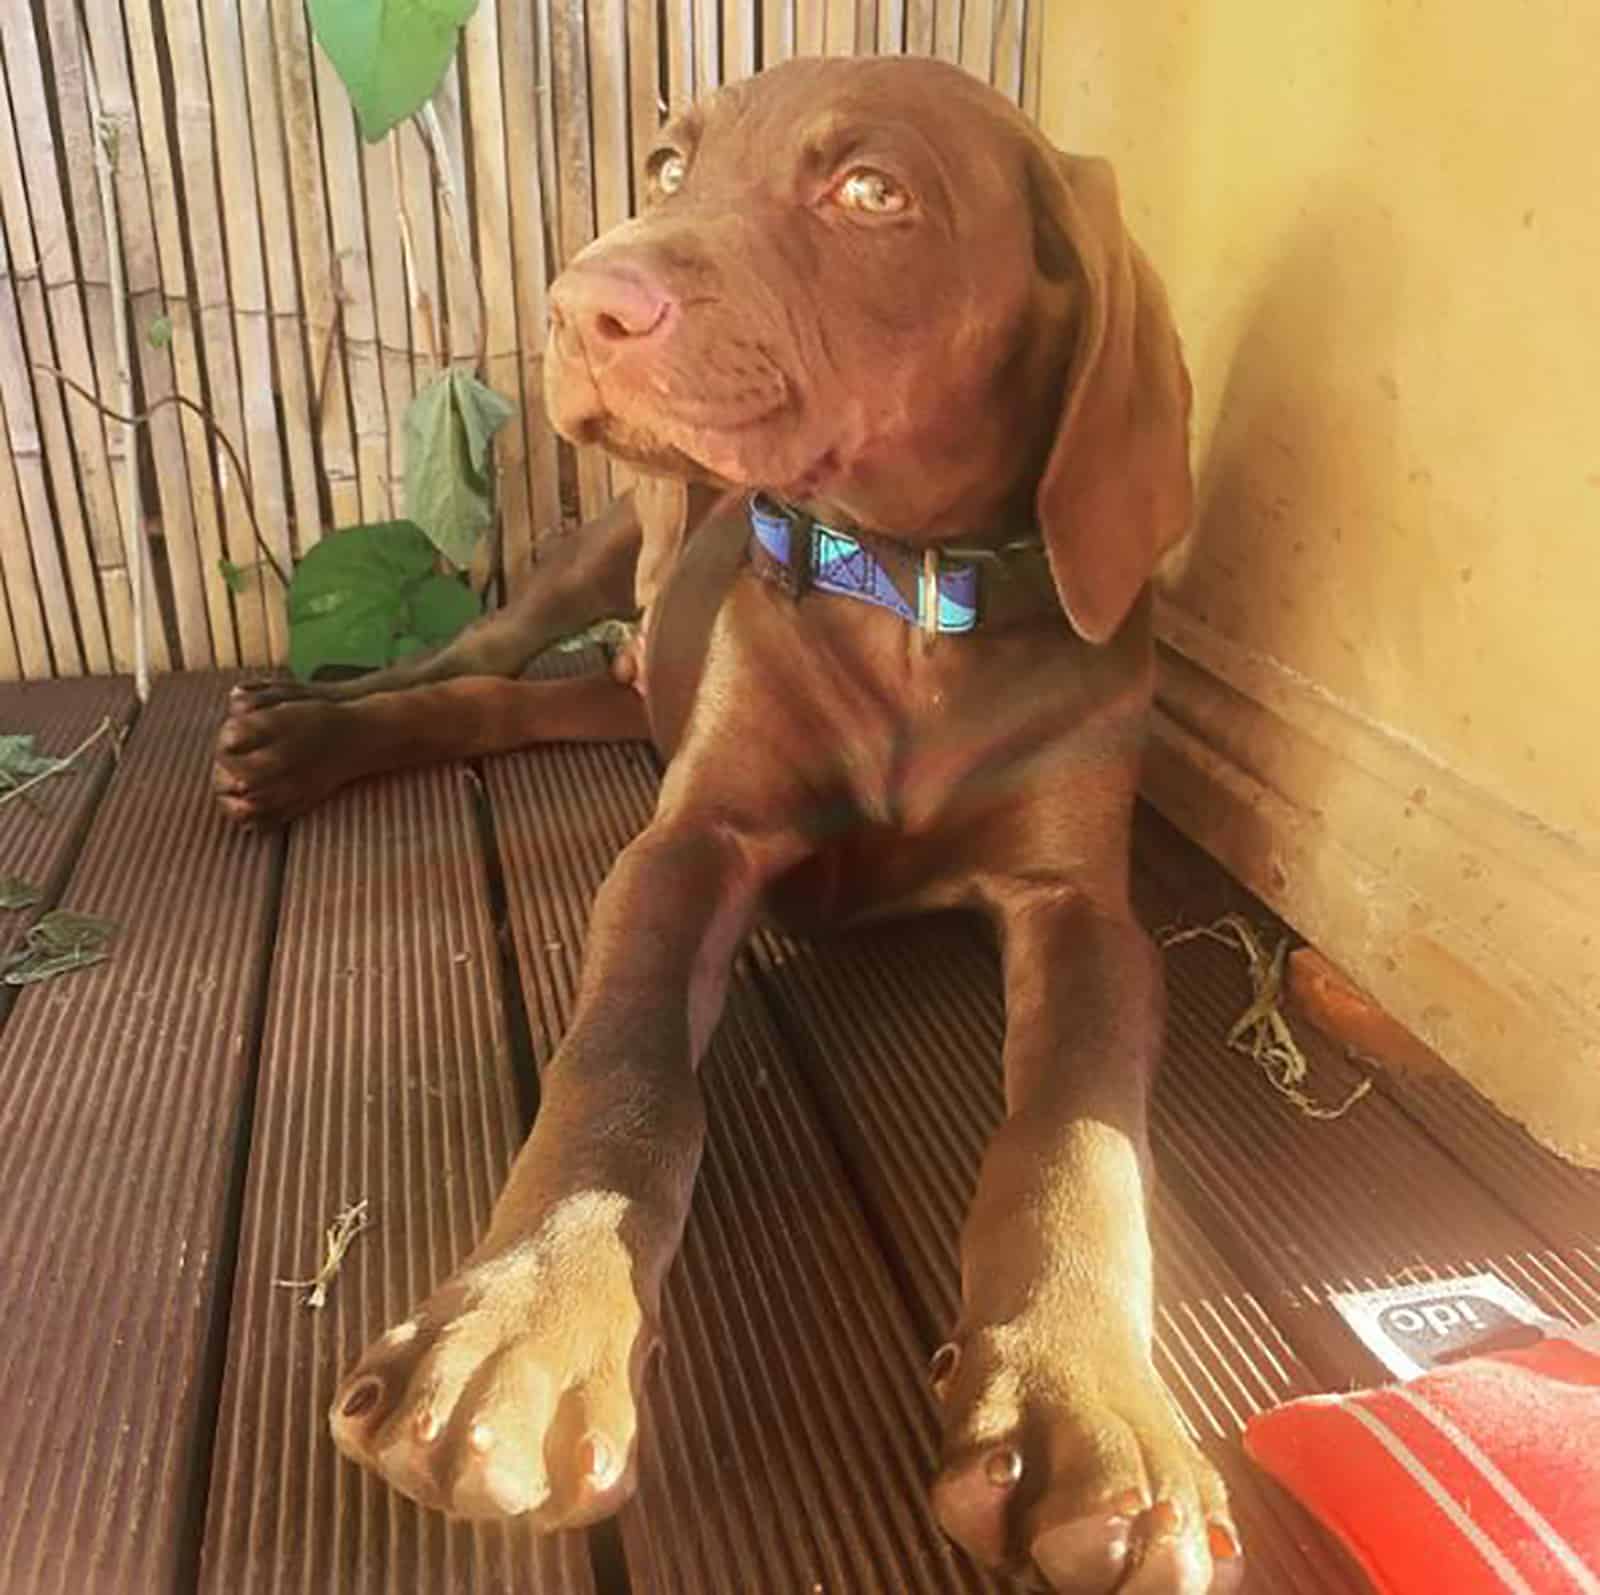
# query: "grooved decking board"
(40, 831)
(1558, 1199)
(787, 1440)
(123, 1094)
(386, 1074)
(1302, 1207)
(903, 1026)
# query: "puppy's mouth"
(730, 414)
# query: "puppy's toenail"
(428, 1427)
(1004, 1468)
(1165, 1520)
(362, 1399)
(1224, 1546)
(596, 1459)
(481, 1437)
(401, 1333)
(943, 1367)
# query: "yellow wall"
(1379, 221)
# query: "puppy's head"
(871, 286)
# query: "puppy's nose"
(608, 306)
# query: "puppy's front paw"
(280, 751)
(513, 1389)
(1076, 1471)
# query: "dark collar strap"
(974, 586)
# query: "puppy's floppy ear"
(1116, 492)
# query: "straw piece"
(338, 1238)
(1262, 1032)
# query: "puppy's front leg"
(1061, 1447)
(513, 1388)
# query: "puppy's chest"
(917, 729)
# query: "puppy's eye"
(874, 192)
(667, 170)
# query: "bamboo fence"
(298, 285)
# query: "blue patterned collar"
(938, 590)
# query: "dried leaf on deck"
(61, 941)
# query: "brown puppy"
(871, 289)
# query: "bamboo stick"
(738, 39)
(178, 369)
(69, 453)
(679, 24)
(646, 108)
(502, 365)
(1007, 70)
(108, 46)
(608, 110)
(608, 121)
(414, 183)
(214, 323)
(26, 453)
(947, 30)
(10, 659)
(391, 309)
(132, 507)
(328, 395)
(891, 27)
(707, 46)
(920, 16)
(839, 28)
(26, 613)
(811, 27)
(290, 356)
(977, 38)
(777, 31)
(569, 52)
(1033, 56)
(358, 331)
(440, 120)
(41, 255)
(530, 235)
(866, 39)
(237, 166)
(75, 162)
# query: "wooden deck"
(357, 1010)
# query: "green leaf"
(19, 763)
(159, 333)
(18, 893)
(359, 591)
(483, 412)
(448, 426)
(440, 607)
(59, 942)
(391, 54)
(236, 576)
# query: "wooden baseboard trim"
(1475, 925)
